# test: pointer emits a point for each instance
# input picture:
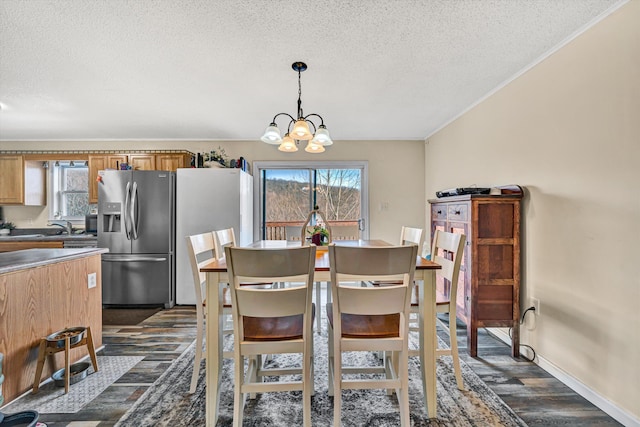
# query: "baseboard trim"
(610, 408)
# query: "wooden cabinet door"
(12, 179)
(101, 162)
(143, 162)
(170, 162)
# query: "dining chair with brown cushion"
(370, 318)
(201, 248)
(447, 249)
(271, 321)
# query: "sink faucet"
(64, 224)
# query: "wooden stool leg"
(42, 356)
(67, 373)
(91, 349)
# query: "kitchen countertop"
(29, 258)
(48, 238)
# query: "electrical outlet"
(535, 303)
(91, 280)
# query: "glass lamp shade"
(314, 148)
(322, 136)
(288, 144)
(301, 130)
(272, 135)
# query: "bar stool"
(64, 340)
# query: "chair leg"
(307, 386)
(238, 400)
(198, 357)
(403, 396)
(319, 306)
(453, 344)
(337, 386)
(331, 364)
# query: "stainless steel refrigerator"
(136, 222)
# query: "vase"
(316, 239)
(5, 232)
(212, 164)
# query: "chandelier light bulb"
(314, 148)
(272, 135)
(301, 131)
(288, 144)
(322, 136)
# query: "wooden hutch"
(489, 282)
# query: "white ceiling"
(220, 70)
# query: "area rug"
(168, 403)
(51, 399)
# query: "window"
(286, 191)
(69, 190)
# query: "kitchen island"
(43, 291)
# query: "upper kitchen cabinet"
(169, 161)
(172, 161)
(99, 162)
(23, 181)
(142, 162)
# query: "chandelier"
(298, 128)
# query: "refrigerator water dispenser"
(111, 215)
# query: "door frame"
(258, 166)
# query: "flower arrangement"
(319, 235)
(218, 156)
(7, 225)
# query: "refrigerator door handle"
(134, 211)
(138, 259)
(127, 200)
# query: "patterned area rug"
(51, 399)
(167, 402)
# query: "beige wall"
(396, 174)
(569, 131)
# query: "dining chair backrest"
(201, 248)
(344, 232)
(270, 265)
(447, 249)
(411, 235)
(293, 233)
(223, 238)
(380, 263)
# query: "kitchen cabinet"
(489, 283)
(172, 161)
(23, 181)
(43, 291)
(137, 161)
(101, 162)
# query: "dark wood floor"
(538, 398)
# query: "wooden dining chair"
(294, 233)
(201, 248)
(371, 318)
(271, 321)
(344, 232)
(447, 249)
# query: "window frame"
(55, 194)
(258, 166)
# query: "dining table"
(217, 279)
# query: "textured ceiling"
(201, 69)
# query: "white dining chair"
(201, 248)
(370, 319)
(447, 249)
(272, 321)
